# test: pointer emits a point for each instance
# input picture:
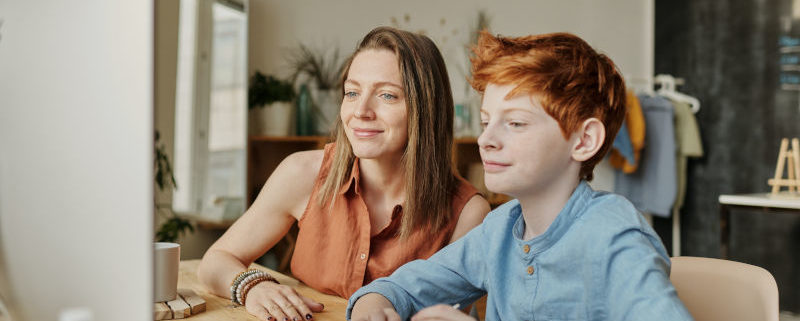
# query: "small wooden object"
(195, 301)
(790, 158)
(162, 312)
(187, 303)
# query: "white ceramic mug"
(166, 259)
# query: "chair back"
(717, 290)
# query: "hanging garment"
(653, 187)
(634, 127)
(687, 136)
(622, 144)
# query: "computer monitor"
(76, 167)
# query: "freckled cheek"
(529, 148)
(505, 137)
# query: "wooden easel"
(792, 158)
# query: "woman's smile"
(366, 132)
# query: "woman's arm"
(281, 201)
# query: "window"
(211, 109)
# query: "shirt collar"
(352, 187)
(575, 206)
(353, 181)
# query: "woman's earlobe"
(592, 135)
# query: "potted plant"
(320, 70)
(271, 97)
(173, 226)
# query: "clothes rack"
(665, 85)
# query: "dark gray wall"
(727, 51)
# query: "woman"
(383, 194)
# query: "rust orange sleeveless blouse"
(335, 253)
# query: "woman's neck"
(383, 178)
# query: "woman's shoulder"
(292, 182)
(297, 173)
(303, 163)
(464, 192)
(465, 195)
(464, 188)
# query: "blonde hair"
(427, 160)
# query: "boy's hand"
(386, 314)
(374, 307)
(441, 312)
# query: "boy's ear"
(588, 140)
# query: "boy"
(560, 250)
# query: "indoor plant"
(320, 69)
(274, 94)
(173, 226)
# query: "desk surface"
(781, 200)
(218, 308)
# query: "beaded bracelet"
(240, 274)
(243, 293)
(244, 282)
(248, 279)
(238, 279)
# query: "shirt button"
(526, 248)
(363, 256)
(530, 270)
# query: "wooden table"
(218, 308)
(781, 201)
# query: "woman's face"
(374, 110)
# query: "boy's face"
(522, 148)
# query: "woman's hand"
(276, 302)
(441, 312)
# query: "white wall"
(76, 167)
(621, 28)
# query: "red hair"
(573, 81)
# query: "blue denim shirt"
(598, 260)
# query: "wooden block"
(796, 158)
(790, 161)
(779, 168)
(196, 302)
(161, 311)
(783, 182)
(180, 309)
